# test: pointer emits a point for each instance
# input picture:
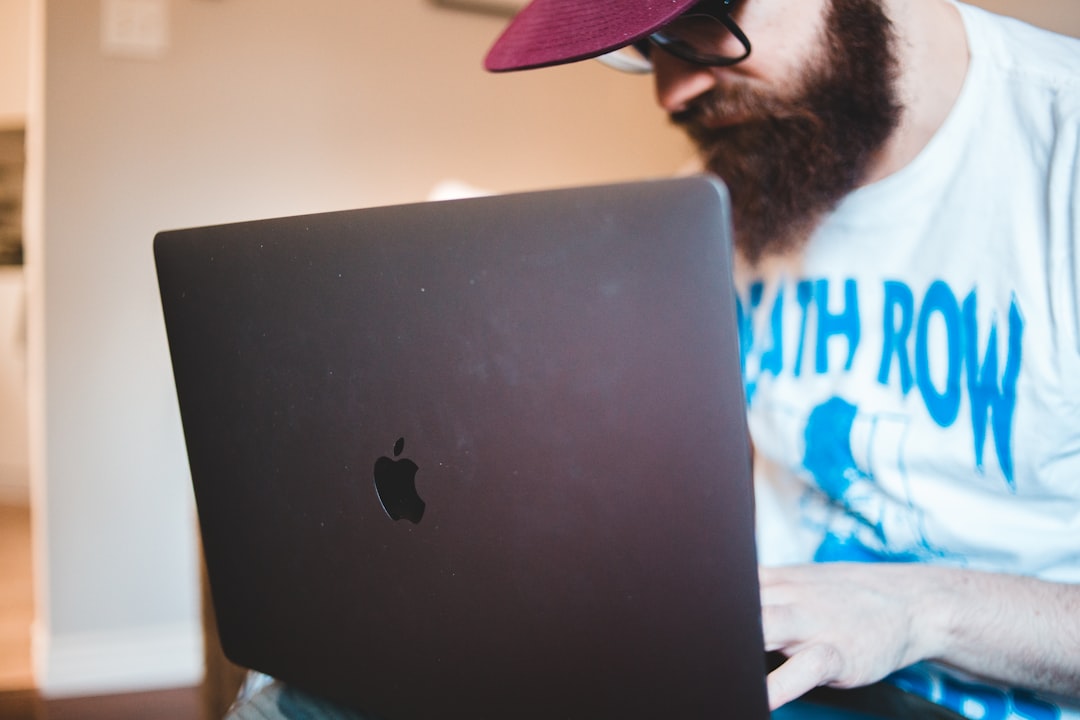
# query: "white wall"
(259, 107)
(14, 61)
(1059, 15)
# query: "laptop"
(477, 458)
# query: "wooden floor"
(183, 704)
(16, 598)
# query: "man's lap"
(278, 701)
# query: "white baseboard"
(121, 661)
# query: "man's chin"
(757, 242)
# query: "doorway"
(16, 575)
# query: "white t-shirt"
(913, 376)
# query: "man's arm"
(846, 625)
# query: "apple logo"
(395, 484)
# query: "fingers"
(801, 673)
(809, 664)
(779, 626)
(821, 620)
(786, 630)
(779, 576)
(787, 618)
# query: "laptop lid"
(484, 457)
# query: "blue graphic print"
(828, 451)
(879, 526)
(970, 355)
(973, 700)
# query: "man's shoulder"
(1025, 51)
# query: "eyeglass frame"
(716, 9)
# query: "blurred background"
(120, 118)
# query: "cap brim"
(553, 32)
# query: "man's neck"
(932, 51)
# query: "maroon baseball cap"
(552, 32)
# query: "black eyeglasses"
(697, 37)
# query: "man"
(905, 178)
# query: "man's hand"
(840, 624)
(851, 624)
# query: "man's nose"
(678, 82)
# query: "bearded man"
(905, 178)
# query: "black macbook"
(482, 458)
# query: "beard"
(788, 161)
